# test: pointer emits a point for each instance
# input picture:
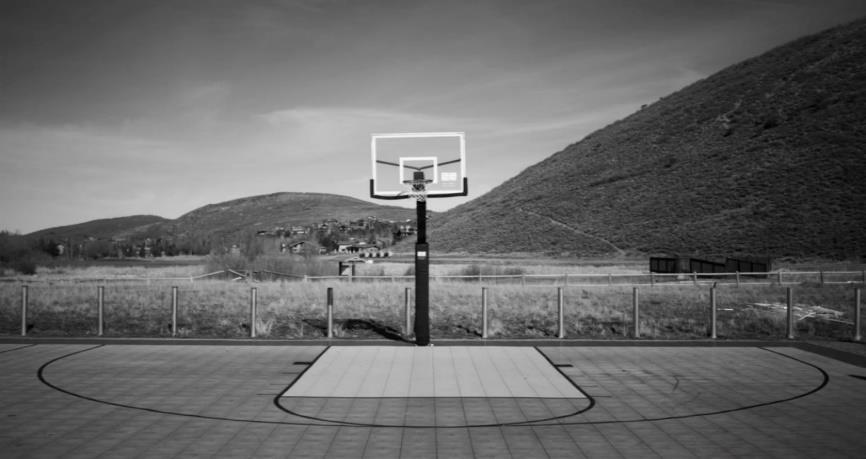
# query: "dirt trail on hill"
(574, 230)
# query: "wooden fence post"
(407, 315)
(561, 311)
(713, 312)
(25, 294)
(790, 299)
(253, 305)
(100, 303)
(173, 312)
(330, 299)
(635, 312)
(857, 316)
(483, 312)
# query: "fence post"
(483, 312)
(25, 294)
(609, 279)
(780, 277)
(652, 279)
(406, 314)
(100, 303)
(821, 274)
(173, 312)
(695, 277)
(713, 312)
(253, 301)
(566, 279)
(561, 310)
(857, 316)
(790, 298)
(330, 312)
(636, 312)
(738, 278)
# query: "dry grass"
(65, 273)
(375, 309)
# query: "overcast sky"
(114, 108)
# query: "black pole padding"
(422, 279)
(422, 295)
(421, 217)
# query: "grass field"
(294, 309)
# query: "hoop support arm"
(373, 194)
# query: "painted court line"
(449, 371)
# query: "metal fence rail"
(753, 278)
(529, 280)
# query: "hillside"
(240, 216)
(227, 223)
(765, 157)
(105, 228)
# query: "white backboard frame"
(377, 192)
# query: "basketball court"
(128, 399)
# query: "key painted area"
(400, 372)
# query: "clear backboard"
(398, 157)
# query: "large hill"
(105, 228)
(229, 222)
(233, 219)
(765, 157)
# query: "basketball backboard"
(396, 157)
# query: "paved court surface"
(122, 400)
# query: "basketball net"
(417, 187)
(418, 195)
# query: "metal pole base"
(422, 295)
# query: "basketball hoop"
(442, 155)
(418, 188)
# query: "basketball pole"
(422, 277)
(450, 172)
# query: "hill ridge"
(235, 221)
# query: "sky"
(113, 108)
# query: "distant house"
(405, 230)
(359, 247)
(297, 247)
(345, 247)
